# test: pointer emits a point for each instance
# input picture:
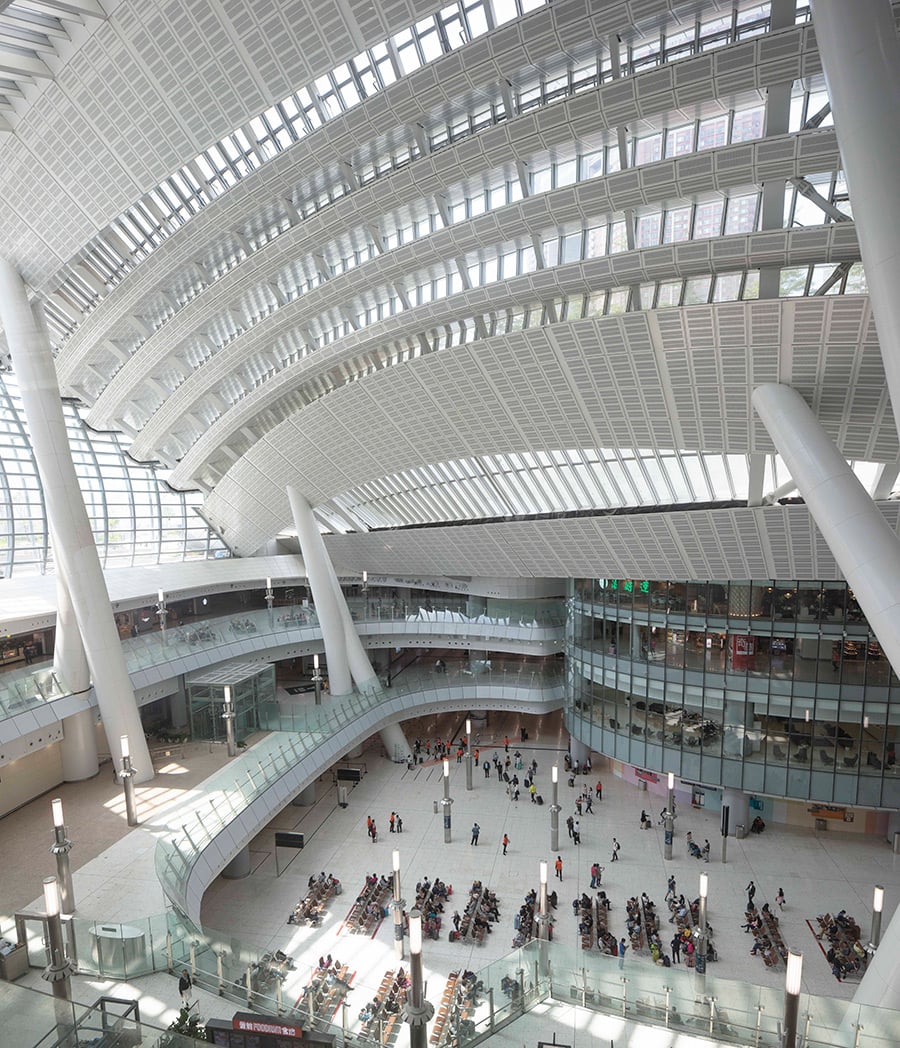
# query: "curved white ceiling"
(201, 346)
(677, 378)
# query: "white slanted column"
(861, 540)
(861, 59)
(360, 665)
(367, 680)
(319, 572)
(74, 548)
(78, 749)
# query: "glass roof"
(541, 482)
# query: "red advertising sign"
(743, 648)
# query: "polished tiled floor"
(818, 872)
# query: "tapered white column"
(861, 540)
(360, 666)
(861, 59)
(74, 548)
(78, 749)
(318, 570)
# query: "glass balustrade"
(521, 621)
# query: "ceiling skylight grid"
(202, 180)
(504, 485)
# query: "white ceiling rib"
(266, 403)
(432, 173)
(361, 431)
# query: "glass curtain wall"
(768, 686)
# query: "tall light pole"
(468, 754)
(228, 716)
(877, 907)
(669, 817)
(554, 809)
(398, 905)
(127, 776)
(543, 924)
(700, 961)
(61, 848)
(792, 998)
(162, 610)
(447, 801)
(60, 968)
(317, 680)
(418, 1010)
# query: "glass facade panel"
(135, 516)
(765, 685)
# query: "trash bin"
(821, 825)
(642, 785)
(897, 842)
(436, 807)
(740, 831)
(342, 796)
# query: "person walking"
(704, 851)
(184, 987)
(476, 829)
(456, 920)
(615, 850)
(751, 891)
(570, 822)
(623, 946)
(558, 865)
(505, 843)
(598, 790)
(369, 825)
(532, 789)
(487, 769)
(576, 831)
(506, 743)
(594, 874)
(780, 899)
(588, 802)
(373, 831)
(392, 820)
(676, 949)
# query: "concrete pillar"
(239, 866)
(78, 750)
(361, 669)
(318, 570)
(70, 662)
(74, 548)
(861, 59)
(307, 796)
(395, 742)
(580, 752)
(738, 804)
(178, 706)
(861, 540)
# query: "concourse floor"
(819, 872)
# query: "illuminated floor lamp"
(447, 802)
(127, 776)
(61, 848)
(792, 998)
(555, 809)
(398, 905)
(418, 1010)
